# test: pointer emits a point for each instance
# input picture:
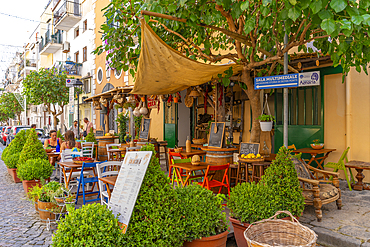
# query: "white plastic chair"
(106, 169)
(87, 149)
(66, 156)
(109, 147)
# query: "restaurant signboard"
(128, 183)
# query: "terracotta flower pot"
(239, 229)
(28, 184)
(13, 173)
(213, 241)
(44, 210)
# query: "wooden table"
(192, 153)
(359, 166)
(189, 168)
(73, 168)
(314, 153)
(52, 156)
(109, 181)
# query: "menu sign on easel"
(128, 183)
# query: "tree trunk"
(55, 121)
(254, 98)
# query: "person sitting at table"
(53, 141)
(70, 141)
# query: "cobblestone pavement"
(20, 225)
(347, 227)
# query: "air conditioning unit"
(66, 47)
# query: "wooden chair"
(292, 147)
(171, 174)
(175, 176)
(212, 183)
(317, 187)
(106, 169)
(110, 147)
(340, 165)
(66, 156)
(87, 149)
(82, 181)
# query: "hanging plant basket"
(266, 126)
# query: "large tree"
(48, 87)
(252, 32)
(9, 107)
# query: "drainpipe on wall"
(348, 84)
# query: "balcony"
(71, 68)
(67, 15)
(50, 43)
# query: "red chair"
(207, 183)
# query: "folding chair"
(87, 149)
(105, 169)
(82, 181)
(171, 157)
(207, 183)
(340, 165)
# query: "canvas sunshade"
(163, 70)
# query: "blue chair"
(82, 181)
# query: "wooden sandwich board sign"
(249, 147)
(128, 183)
(216, 138)
(144, 129)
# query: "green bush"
(91, 225)
(249, 203)
(156, 220)
(15, 146)
(32, 149)
(12, 160)
(282, 182)
(201, 211)
(34, 169)
(279, 189)
(48, 191)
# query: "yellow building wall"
(156, 124)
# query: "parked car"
(5, 134)
(14, 130)
(42, 135)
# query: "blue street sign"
(289, 80)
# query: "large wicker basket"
(276, 232)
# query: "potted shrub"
(32, 149)
(266, 122)
(91, 225)
(45, 203)
(32, 171)
(316, 144)
(11, 164)
(204, 222)
(33, 195)
(11, 153)
(70, 203)
(278, 190)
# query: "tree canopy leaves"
(9, 106)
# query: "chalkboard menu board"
(99, 132)
(216, 139)
(248, 147)
(144, 130)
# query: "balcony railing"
(71, 68)
(67, 9)
(50, 38)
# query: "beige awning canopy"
(163, 70)
(109, 94)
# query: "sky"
(15, 31)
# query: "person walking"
(89, 127)
(74, 129)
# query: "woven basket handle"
(274, 217)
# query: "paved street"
(20, 225)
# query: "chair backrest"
(344, 156)
(172, 155)
(87, 149)
(206, 181)
(292, 147)
(113, 146)
(104, 171)
(128, 149)
(302, 170)
(218, 168)
(179, 161)
(66, 155)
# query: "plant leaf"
(328, 25)
(338, 5)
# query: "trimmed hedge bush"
(14, 147)
(12, 161)
(32, 149)
(34, 169)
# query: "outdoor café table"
(73, 168)
(359, 166)
(192, 153)
(52, 156)
(109, 181)
(189, 168)
(314, 152)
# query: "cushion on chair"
(302, 171)
(327, 191)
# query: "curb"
(334, 239)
